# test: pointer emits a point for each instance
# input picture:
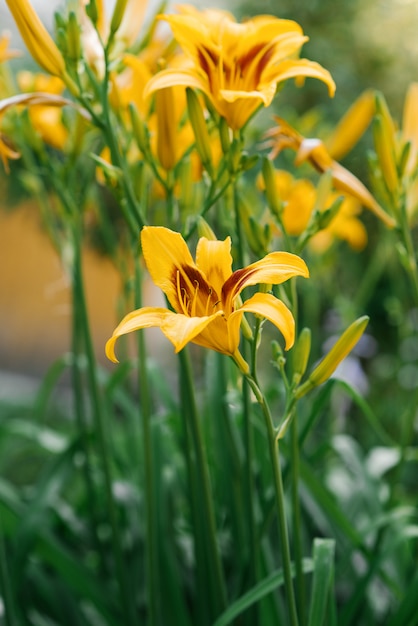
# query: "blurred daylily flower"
(237, 66)
(5, 53)
(299, 198)
(204, 293)
(45, 119)
(37, 39)
(30, 99)
(314, 151)
(7, 152)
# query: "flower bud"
(37, 39)
(301, 355)
(117, 16)
(166, 128)
(224, 134)
(200, 130)
(352, 125)
(338, 352)
(73, 38)
(385, 153)
(204, 230)
(273, 199)
(140, 130)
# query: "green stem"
(5, 587)
(206, 492)
(279, 495)
(248, 429)
(411, 264)
(102, 434)
(151, 545)
(131, 211)
(297, 534)
(82, 426)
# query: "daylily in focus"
(204, 293)
(237, 66)
(314, 151)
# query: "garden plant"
(264, 471)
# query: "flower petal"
(181, 329)
(275, 311)
(177, 77)
(141, 318)
(166, 253)
(214, 259)
(299, 68)
(275, 268)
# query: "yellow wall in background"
(35, 307)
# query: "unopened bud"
(385, 153)
(73, 37)
(224, 134)
(352, 125)
(166, 128)
(404, 158)
(140, 130)
(301, 354)
(92, 12)
(118, 13)
(273, 200)
(338, 352)
(325, 218)
(200, 130)
(204, 230)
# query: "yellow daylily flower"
(238, 66)
(299, 197)
(345, 225)
(31, 99)
(5, 53)
(204, 293)
(6, 152)
(314, 151)
(46, 120)
(37, 39)
(352, 125)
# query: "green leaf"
(255, 594)
(323, 561)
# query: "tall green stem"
(203, 470)
(279, 496)
(151, 545)
(100, 426)
(10, 618)
(248, 429)
(300, 578)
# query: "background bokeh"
(364, 44)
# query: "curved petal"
(275, 311)
(141, 318)
(275, 268)
(174, 78)
(265, 95)
(180, 329)
(299, 68)
(166, 253)
(214, 259)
